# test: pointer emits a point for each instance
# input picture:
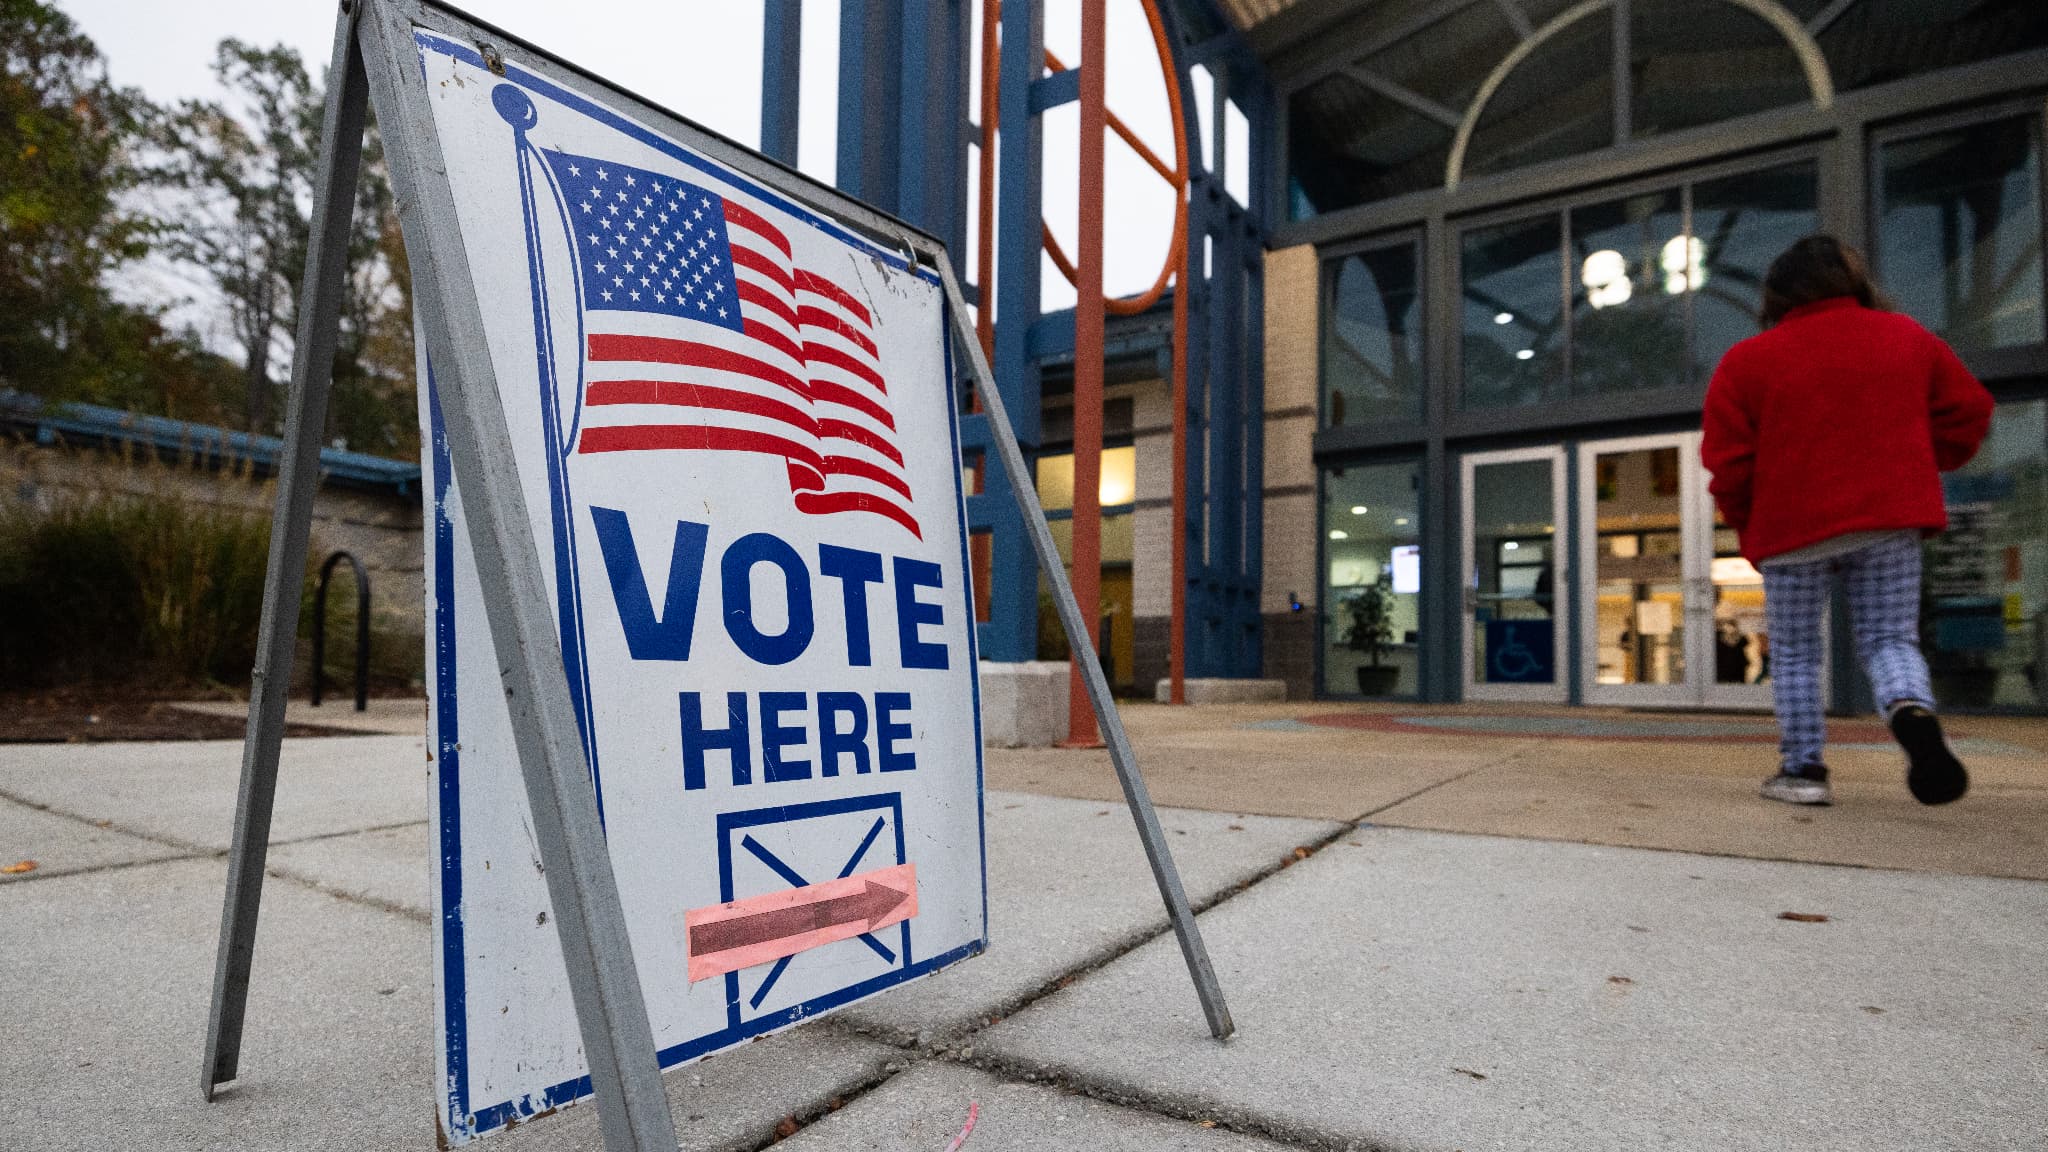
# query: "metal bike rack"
(362, 628)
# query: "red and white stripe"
(857, 434)
(802, 381)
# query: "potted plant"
(1369, 615)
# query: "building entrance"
(1669, 613)
(1513, 615)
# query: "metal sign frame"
(374, 65)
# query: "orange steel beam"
(1117, 125)
(981, 547)
(1174, 268)
(1089, 316)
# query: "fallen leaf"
(1873, 1009)
(1236, 828)
(1469, 1072)
(19, 867)
(786, 1128)
(1208, 1124)
(1303, 853)
(1619, 980)
(1803, 917)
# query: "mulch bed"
(96, 715)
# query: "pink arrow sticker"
(759, 929)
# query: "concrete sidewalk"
(1395, 987)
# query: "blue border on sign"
(448, 774)
(460, 1119)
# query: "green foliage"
(93, 179)
(1369, 615)
(67, 164)
(129, 584)
(112, 589)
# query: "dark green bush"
(109, 588)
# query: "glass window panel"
(1372, 337)
(1056, 482)
(1558, 102)
(1742, 223)
(1697, 63)
(1118, 485)
(1986, 623)
(1513, 599)
(1512, 350)
(1372, 592)
(1959, 231)
(1347, 145)
(1631, 267)
(1742, 642)
(1639, 567)
(1875, 41)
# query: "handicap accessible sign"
(734, 428)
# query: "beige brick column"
(1290, 482)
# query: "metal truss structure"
(906, 120)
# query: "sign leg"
(590, 921)
(290, 527)
(1135, 794)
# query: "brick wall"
(1290, 480)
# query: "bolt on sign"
(732, 422)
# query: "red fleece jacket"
(1838, 419)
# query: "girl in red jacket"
(1826, 435)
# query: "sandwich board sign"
(704, 717)
(732, 421)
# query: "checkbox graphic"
(840, 852)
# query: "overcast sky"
(701, 58)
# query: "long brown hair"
(1817, 268)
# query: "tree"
(66, 137)
(250, 177)
(249, 184)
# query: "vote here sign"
(735, 435)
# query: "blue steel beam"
(871, 93)
(782, 42)
(1011, 633)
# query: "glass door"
(1671, 615)
(1514, 567)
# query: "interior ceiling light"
(1359, 509)
(1503, 317)
(1605, 275)
(1684, 261)
(1526, 354)
(1339, 534)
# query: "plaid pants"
(1884, 610)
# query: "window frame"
(1417, 460)
(1995, 364)
(1467, 420)
(1327, 261)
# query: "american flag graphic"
(702, 333)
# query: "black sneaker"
(1807, 785)
(1933, 773)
